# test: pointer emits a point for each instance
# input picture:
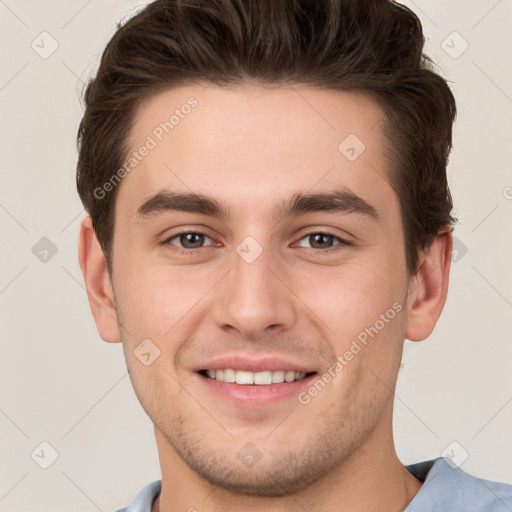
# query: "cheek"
(351, 297)
(154, 298)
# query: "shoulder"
(144, 499)
(448, 487)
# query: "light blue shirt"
(445, 489)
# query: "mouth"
(262, 378)
(243, 382)
(254, 390)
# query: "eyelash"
(180, 250)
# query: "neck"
(371, 480)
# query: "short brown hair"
(374, 46)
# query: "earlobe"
(428, 288)
(97, 282)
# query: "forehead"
(249, 141)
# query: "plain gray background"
(62, 386)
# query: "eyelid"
(342, 241)
(167, 240)
(340, 234)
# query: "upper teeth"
(261, 378)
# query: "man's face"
(262, 288)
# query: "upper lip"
(238, 362)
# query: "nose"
(254, 299)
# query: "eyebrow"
(337, 201)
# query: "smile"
(263, 378)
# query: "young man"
(269, 220)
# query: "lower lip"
(255, 396)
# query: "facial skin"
(251, 148)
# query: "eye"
(321, 240)
(187, 240)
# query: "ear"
(428, 288)
(97, 282)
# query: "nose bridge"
(252, 299)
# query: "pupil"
(191, 240)
(319, 237)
